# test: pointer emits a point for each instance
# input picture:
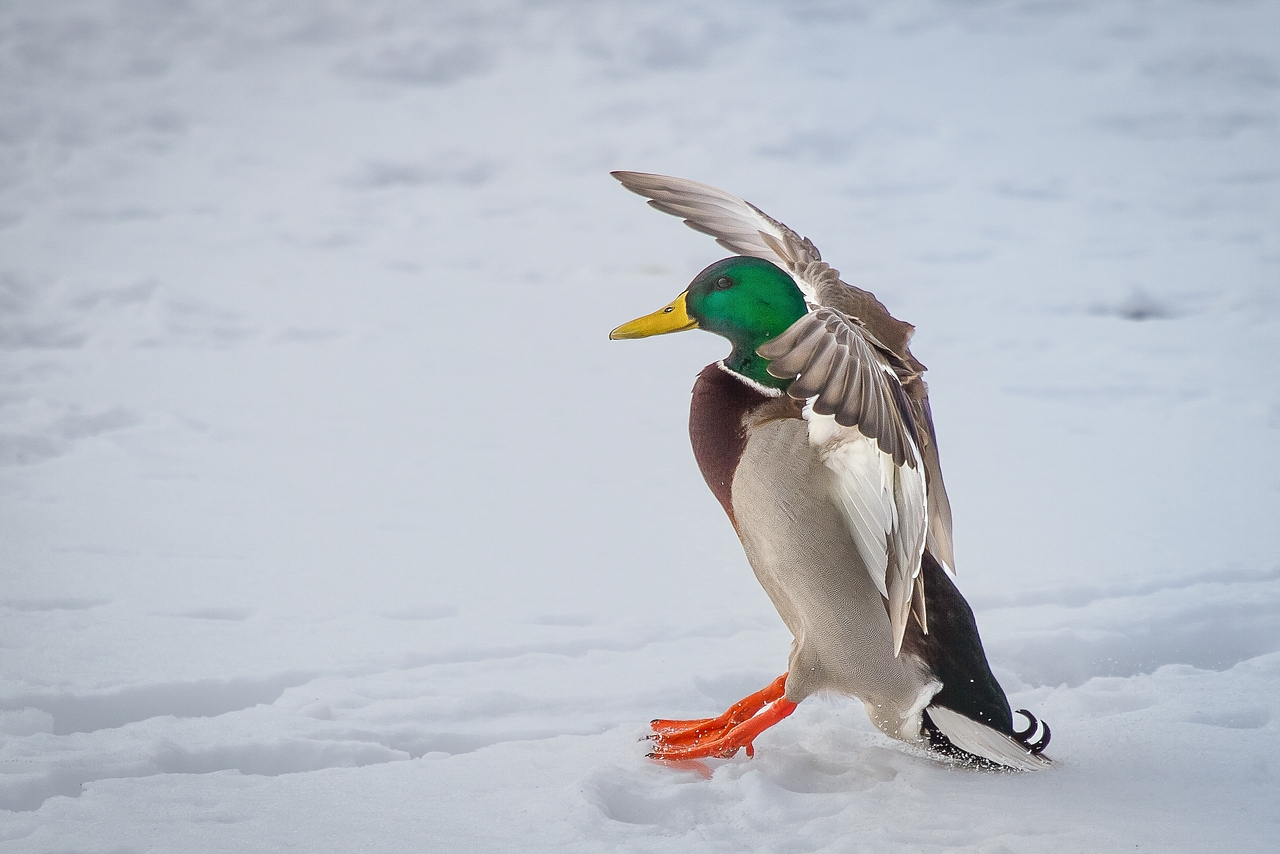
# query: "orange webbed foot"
(721, 737)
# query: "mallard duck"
(815, 435)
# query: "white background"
(331, 521)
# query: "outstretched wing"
(741, 227)
(832, 358)
(737, 225)
(863, 427)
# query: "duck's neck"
(746, 362)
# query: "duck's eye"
(668, 309)
(723, 283)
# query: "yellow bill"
(674, 317)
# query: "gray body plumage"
(843, 642)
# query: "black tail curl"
(1024, 736)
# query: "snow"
(332, 521)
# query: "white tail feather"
(981, 740)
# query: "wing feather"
(799, 347)
(849, 410)
(808, 358)
(832, 394)
(737, 225)
(813, 377)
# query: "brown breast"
(720, 415)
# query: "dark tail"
(953, 651)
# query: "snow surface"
(332, 521)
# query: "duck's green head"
(747, 300)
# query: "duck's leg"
(736, 714)
(722, 736)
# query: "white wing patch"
(885, 507)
